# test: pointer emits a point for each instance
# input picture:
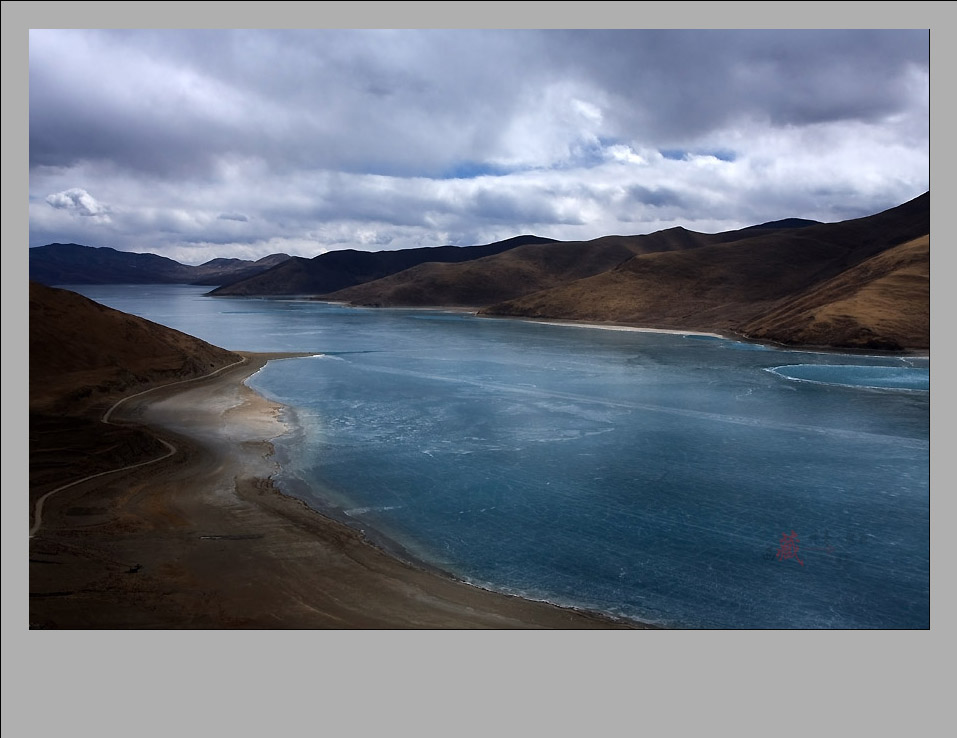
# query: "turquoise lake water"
(683, 480)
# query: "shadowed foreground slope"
(85, 356)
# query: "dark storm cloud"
(675, 84)
(176, 102)
(496, 206)
(386, 101)
(657, 197)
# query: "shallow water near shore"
(683, 480)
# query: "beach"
(203, 538)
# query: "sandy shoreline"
(728, 335)
(204, 539)
(617, 327)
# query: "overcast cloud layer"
(205, 144)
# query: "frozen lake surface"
(684, 480)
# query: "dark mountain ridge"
(223, 271)
(530, 268)
(336, 270)
(71, 263)
(512, 273)
(785, 223)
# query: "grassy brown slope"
(341, 269)
(882, 303)
(513, 273)
(731, 285)
(713, 288)
(83, 357)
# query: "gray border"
(157, 683)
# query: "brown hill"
(336, 270)
(83, 357)
(513, 273)
(83, 354)
(764, 285)
(882, 302)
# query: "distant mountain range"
(71, 263)
(862, 283)
(337, 270)
(274, 275)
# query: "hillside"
(224, 271)
(336, 270)
(765, 285)
(83, 354)
(71, 263)
(882, 302)
(83, 357)
(516, 272)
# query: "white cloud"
(80, 202)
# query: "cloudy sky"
(212, 143)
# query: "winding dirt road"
(171, 449)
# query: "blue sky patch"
(473, 169)
(681, 154)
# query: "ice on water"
(853, 375)
(646, 475)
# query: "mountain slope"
(83, 353)
(84, 357)
(223, 271)
(71, 263)
(882, 302)
(336, 270)
(738, 285)
(513, 273)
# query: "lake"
(684, 480)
